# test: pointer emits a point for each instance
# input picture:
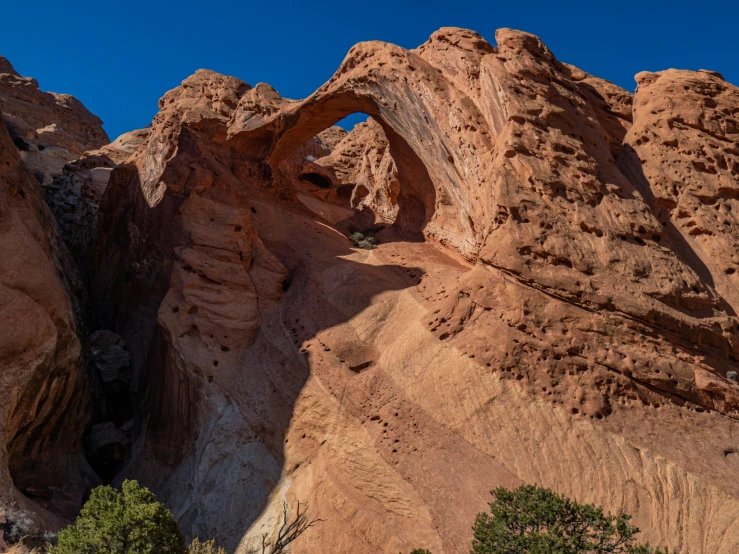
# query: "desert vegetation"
(121, 523)
(526, 520)
(363, 240)
(132, 521)
(535, 520)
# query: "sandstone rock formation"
(49, 129)
(683, 154)
(362, 172)
(74, 194)
(45, 404)
(553, 299)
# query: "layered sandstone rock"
(554, 302)
(578, 297)
(393, 388)
(45, 403)
(49, 129)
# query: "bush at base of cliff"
(208, 547)
(535, 520)
(361, 240)
(127, 522)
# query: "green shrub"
(127, 522)
(535, 520)
(209, 547)
(420, 551)
(361, 240)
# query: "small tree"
(535, 520)
(127, 522)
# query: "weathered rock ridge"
(49, 129)
(553, 298)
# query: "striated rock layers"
(553, 298)
(45, 405)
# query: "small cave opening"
(316, 179)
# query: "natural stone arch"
(434, 130)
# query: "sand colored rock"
(683, 151)
(122, 148)
(49, 129)
(440, 162)
(563, 338)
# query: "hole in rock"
(316, 179)
(350, 121)
(394, 186)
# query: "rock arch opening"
(383, 174)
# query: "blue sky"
(120, 57)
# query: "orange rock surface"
(552, 299)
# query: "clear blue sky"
(120, 57)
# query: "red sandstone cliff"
(45, 404)
(552, 300)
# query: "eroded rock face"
(683, 152)
(46, 406)
(579, 295)
(362, 172)
(435, 133)
(74, 194)
(49, 129)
